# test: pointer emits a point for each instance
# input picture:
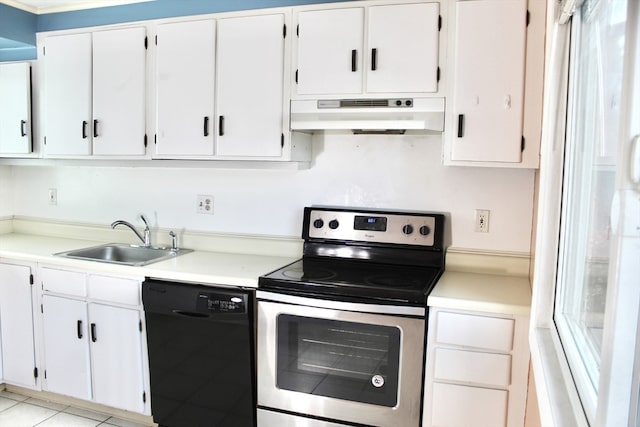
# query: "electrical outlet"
(53, 196)
(482, 221)
(204, 204)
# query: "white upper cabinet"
(119, 95)
(95, 93)
(330, 51)
(67, 105)
(403, 48)
(185, 89)
(15, 108)
(250, 74)
(368, 50)
(495, 112)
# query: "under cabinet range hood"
(369, 115)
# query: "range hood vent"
(377, 114)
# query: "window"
(598, 36)
(585, 337)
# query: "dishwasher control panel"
(220, 302)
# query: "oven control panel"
(371, 226)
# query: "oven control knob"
(407, 229)
(333, 224)
(318, 223)
(425, 230)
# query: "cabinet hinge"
(282, 140)
(31, 279)
(439, 22)
(522, 144)
(284, 31)
(528, 17)
(146, 43)
(296, 76)
(35, 372)
(144, 397)
(438, 74)
(298, 30)
(145, 140)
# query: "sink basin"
(117, 253)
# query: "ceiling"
(52, 6)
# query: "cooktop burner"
(387, 257)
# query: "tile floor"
(21, 411)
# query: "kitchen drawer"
(492, 333)
(473, 367)
(456, 405)
(65, 282)
(117, 290)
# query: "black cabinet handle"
(374, 59)
(84, 129)
(79, 329)
(23, 128)
(221, 125)
(460, 125)
(94, 337)
(206, 126)
(354, 60)
(95, 128)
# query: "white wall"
(366, 171)
(6, 191)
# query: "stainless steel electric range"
(341, 332)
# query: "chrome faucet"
(146, 239)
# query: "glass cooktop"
(353, 280)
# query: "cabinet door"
(66, 347)
(15, 108)
(16, 325)
(185, 89)
(67, 105)
(458, 405)
(403, 48)
(488, 81)
(116, 357)
(119, 81)
(330, 51)
(250, 86)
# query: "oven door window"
(344, 360)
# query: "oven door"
(342, 365)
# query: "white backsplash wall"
(388, 172)
(6, 199)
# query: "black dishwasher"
(201, 354)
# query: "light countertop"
(482, 292)
(209, 268)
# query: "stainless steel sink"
(117, 253)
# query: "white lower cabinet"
(93, 338)
(19, 365)
(477, 369)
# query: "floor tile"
(121, 423)
(86, 413)
(62, 419)
(6, 403)
(46, 404)
(25, 415)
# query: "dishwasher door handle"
(190, 314)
